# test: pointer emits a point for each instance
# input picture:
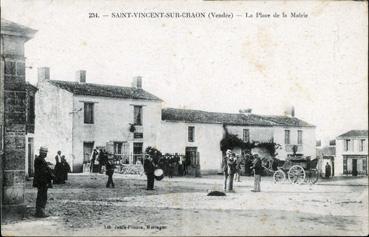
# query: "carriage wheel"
(279, 176)
(296, 174)
(313, 176)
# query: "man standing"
(225, 167)
(42, 178)
(327, 170)
(149, 168)
(237, 175)
(58, 157)
(231, 162)
(93, 158)
(258, 169)
(109, 172)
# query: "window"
(299, 137)
(10, 68)
(287, 137)
(89, 113)
(246, 135)
(118, 148)
(137, 113)
(191, 134)
(361, 145)
(347, 145)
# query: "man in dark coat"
(225, 167)
(43, 176)
(258, 169)
(149, 168)
(327, 170)
(109, 172)
(65, 168)
(93, 159)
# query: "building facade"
(352, 153)
(193, 131)
(13, 112)
(75, 117)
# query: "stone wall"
(14, 121)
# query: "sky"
(317, 64)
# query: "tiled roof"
(29, 86)
(198, 116)
(90, 89)
(354, 133)
(288, 121)
(12, 28)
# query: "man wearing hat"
(149, 168)
(225, 167)
(43, 176)
(258, 170)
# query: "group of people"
(102, 157)
(61, 169)
(232, 170)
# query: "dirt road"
(179, 206)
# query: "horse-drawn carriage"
(297, 169)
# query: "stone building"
(13, 116)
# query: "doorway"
(30, 155)
(87, 151)
(192, 161)
(137, 152)
(354, 167)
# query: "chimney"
(43, 74)
(137, 82)
(81, 76)
(289, 111)
(245, 111)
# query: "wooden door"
(354, 167)
(193, 168)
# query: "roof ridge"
(103, 90)
(97, 84)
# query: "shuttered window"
(246, 135)
(191, 134)
(287, 137)
(299, 137)
(137, 113)
(89, 113)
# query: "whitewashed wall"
(174, 139)
(353, 150)
(112, 118)
(308, 147)
(53, 120)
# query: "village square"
(92, 157)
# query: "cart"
(297, 170)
